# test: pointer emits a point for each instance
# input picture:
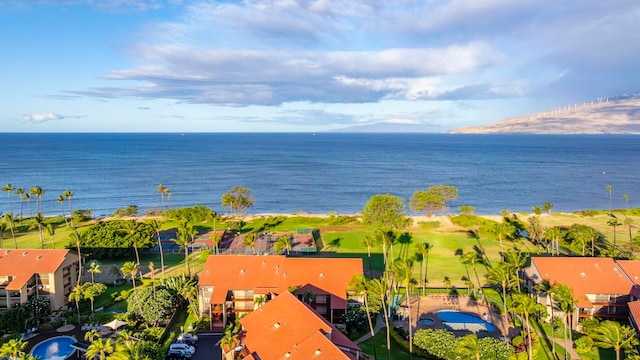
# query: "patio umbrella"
(115, 324)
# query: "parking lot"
(207, 348)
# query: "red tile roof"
(276, 274)
(22, 264)
(632, 269)
(585, 275)
(286, 328)
(634, 311)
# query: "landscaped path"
(380, 324)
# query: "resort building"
(286, 328)
(37, 272)
(601, 286)
(233, 285)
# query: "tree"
(527, 306)
(628, 222)
(423, 249)
(50, 229)
(534, 229)
(249, 241)
(152, 271)
(360, 287)
(553, 235)
(536, 210)
(501, 275)
(547, 206)
(283, 244)
(38, 192)
(564, 301)
(386, 211)
(502, 230)
(94, 268)
(77, 239)
(471, 258)
(8, 188)
(10, 220)
(68, 194)
(76, 296)
(378, 288)
(608, 187)
(20, 192)
(238, 200)
(3, 228)
(155, 225)
(610, 334)
(130, 268)
(27, 198)
(60, 199)
(516, 261)
(91, 291)
(545, 288)
(469, 347)
(99, 348)
(13, 349)
(403, 269)
(39, 220)
(466, 209)
(386, 239)
(614, 223)
(161, 190)
(433, 200)
(186, 233)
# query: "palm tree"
(471, 258)
(50, 229)
(152, 271)
(161, 190)
(39, 220)
(378, 288)
(68, 194)
(128, 350)
(77, 238)
(155, 225)
(628, 222)
(565, 302)
(469, 347)
(10, 220)
(553, 234)
(369, 241)
(76, 295)
(423, 249)
(545, 288)
(27, 198)
(186, 232)
(608, 187)
(403, 269)
(215, 240)
(526, 306)
(547, 206)
(610, 334)
(60, 200)
(3, 228)
(360, 286)
(20, 192)
(501, 275)
(516, 261)
(626, 200)
(92, 290)
(614, 223)
(38, 192)
(8, 188)
(130, 268)
(283, 244)
(386, 240)
(250, 241)
(501, 230)
(94, 268)
(99, 348)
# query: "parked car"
(177, 355)
(181, 347)
(190, 339)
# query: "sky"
(306, 66)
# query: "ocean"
(320, 173)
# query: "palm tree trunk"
(373, 334)
(161, 252)
(505, 315)
(410, 321)
(386, 320)
(553, 332)
(526, 318)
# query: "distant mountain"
(390, 128)
(598, 117)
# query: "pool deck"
(75, 331)
(429, 306)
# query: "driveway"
(207, 348)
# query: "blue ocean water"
(323, 172)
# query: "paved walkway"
(380, 324)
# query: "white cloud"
(39, 118)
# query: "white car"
(184, 348)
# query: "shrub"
(131, 210)
(584, 345)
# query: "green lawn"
(381, 347)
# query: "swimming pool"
(55, 348)
(426, 321)
(456, 320)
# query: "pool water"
(457, 320)
(56, 348)
(426, 321)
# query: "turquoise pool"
(456, 320)
(56, 348)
